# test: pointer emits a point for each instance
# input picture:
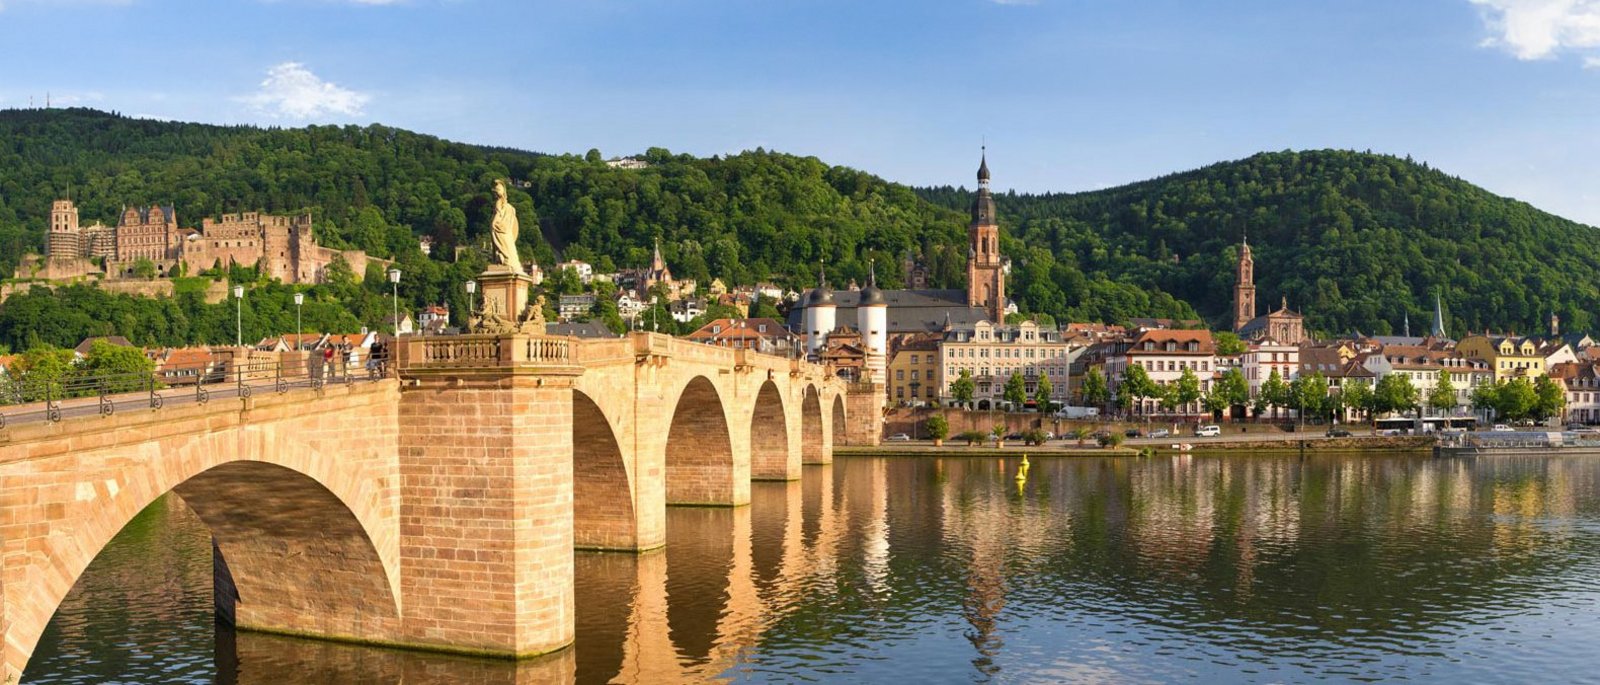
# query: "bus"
(1432, 424)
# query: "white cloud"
(1539, 29)
(291, 91)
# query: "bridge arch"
(769, 437)
(603, 491)
(294, 536)
(699, 454)
(811, 438)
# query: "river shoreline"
(1359, 444)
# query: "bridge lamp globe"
(394, 288)
(238, 316)
(299, 299)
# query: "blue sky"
(1069, 94)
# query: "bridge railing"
(51, 396)
(481, 351)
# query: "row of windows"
(1169, 365)
(1053, 371)
(1006, 353)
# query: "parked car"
(1338, 433)
(1501, 428)
(1160, 433)
(1099, 434)
(899, 437)
(1208, 432)
(1013, 436)
(1133, 433)
(1049, 435)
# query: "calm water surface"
(1189, 569)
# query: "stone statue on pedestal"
(504, 230)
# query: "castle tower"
(872, 319)
(64, 235)
(1244, 290)
(820, 316)
(986, 279)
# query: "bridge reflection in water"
(1231, 569)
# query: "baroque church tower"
(986, 278)
(1244, 290)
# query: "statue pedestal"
(505, 293)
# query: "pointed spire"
(1408, 324)
(983, 168)
(872, 273)
(1438, 316)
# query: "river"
(1170, 569)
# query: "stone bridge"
(436, 511)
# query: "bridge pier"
(486, 469)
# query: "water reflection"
(1239, 569)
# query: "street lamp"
(299, 299)
(238, 316)
(394, 291)
(472, 297)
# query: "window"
(913, 374)
(899, 374)
(916, 359)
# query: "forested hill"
(744, 218)
(1354, 239)
(1357, 240)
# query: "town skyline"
(1067, 98)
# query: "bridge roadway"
(438, 510)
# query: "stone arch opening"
(838, 419)
(769, 437)
(700, 468)
(602, 492)
(811, 442)
(289, 556)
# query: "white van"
(1208, 432)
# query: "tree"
(1443, 395)
(1313, 394)
(938, 427)
(41, 371)
(1213, 401)
(1187, 390)
(1042, 392)
(1016, 390)
(122, 368)
(962, 388)
(144, 268)
(1274, 394)
(1233, 390)
(1167, 397)
(1395, 393)
(1081, 433)
(1094, 389)
(1486, 397)
(1550, 398)
(1359, 396)
(1136, 385)
(1517, 400)
(1228, 344)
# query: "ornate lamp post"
(238, 316)
(394, 291)
(299, 299)
(472, 300)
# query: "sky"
(1068, 95)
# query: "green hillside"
(1357, 240)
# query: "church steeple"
(1244, 289)
(1438, 316)
(986, 280)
